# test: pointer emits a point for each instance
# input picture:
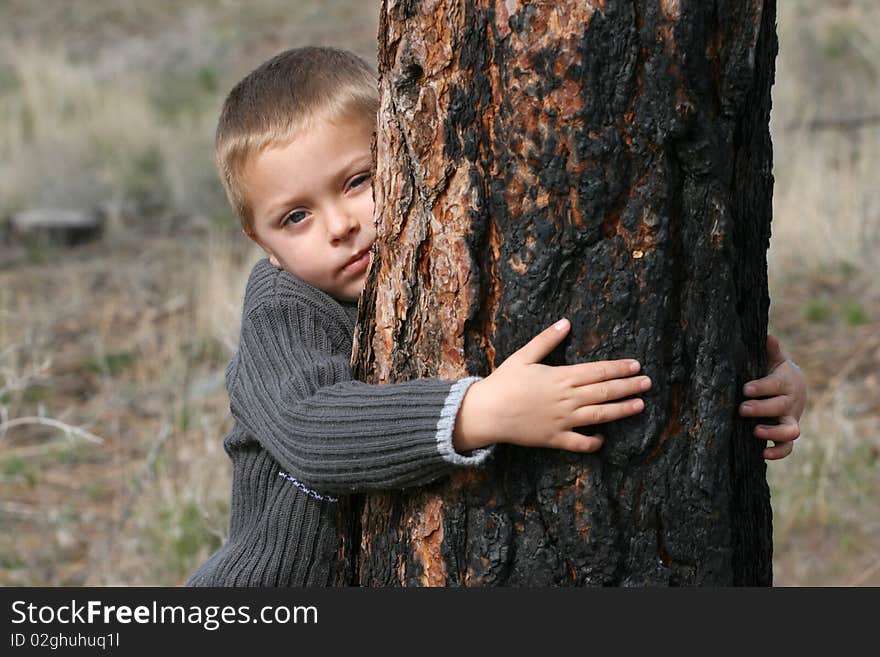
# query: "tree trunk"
(605, 161)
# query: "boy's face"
(312, 204)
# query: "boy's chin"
(352, 293)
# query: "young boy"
(293, 151)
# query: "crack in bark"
(427, 537)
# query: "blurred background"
(113, 350)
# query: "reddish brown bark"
(604, 161)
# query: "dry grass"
(128, 339)
(826, 298)
(827, 200)
(144, 347)
(122, 103)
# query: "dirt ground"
(108, 338)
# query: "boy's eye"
(294, 217)
(359, 180)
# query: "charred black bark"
(617, 162)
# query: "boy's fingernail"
(749, 389)
(745, 408)
(561, 324)
(634, 366)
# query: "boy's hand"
(785, 392)
(526, 403)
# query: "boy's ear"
(253, 236)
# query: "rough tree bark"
(604, 160)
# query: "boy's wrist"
(471, 431)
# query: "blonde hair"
(276, 101)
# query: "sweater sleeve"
(331, 433)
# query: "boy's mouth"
(358, 262)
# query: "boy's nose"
(341, 224)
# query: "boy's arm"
(334, 434)
(296, 396)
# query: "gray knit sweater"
(305, 432)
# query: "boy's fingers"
(786, 431)
(575, 442)
(606, 391)
(769, 386)
(584, 374)
(778, 451)
(536, 349)
(773, 407)
(601, 413)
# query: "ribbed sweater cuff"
(447, 423)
